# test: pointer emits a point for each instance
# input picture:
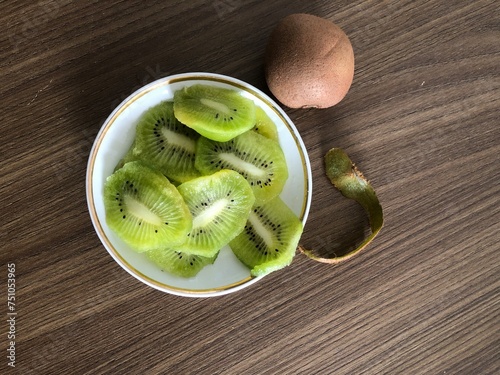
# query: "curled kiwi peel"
(346, 177)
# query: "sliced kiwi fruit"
(219, 204)
(144, 208)
(178, 263)
(270, 238)
(264, 125)
(166, 144)
(216, 113)
(259, 159)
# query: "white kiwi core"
(242, 165)
(181, 140)
(140, 211)
(215, 105)
(207, 216)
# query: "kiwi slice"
(219, 204)
(178, 263)
(214, 112)
(166, 144)
(270, 238)
(144, 208)
(259, 159)
(264, 125)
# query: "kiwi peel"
(224, 192)
(346, 177)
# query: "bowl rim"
(165, 81)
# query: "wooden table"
(421, 121)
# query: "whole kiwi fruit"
(309, 62)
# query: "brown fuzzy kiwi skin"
(309, 62)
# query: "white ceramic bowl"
(227, 274)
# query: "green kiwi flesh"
(264, 125)
(270, 238)
(178, 263)
(259, 159)
(166, 144)
(144, 208)
(204, 170)
(217, 113)
(219, 204)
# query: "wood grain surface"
(421, 121)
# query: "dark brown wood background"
(421, 121)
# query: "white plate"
(227, 274)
